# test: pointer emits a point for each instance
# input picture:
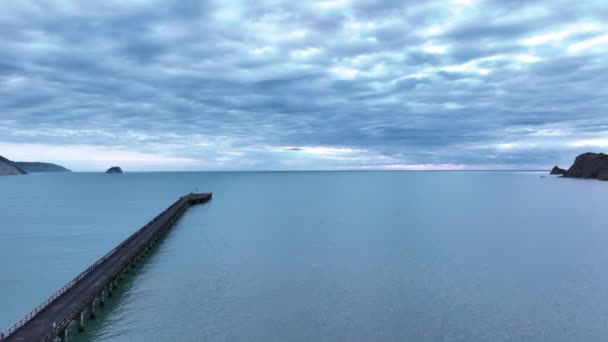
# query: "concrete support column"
(102, 298)
(115, 283)
(81, 321)
(63, 335)
(92, 309)
(110, 290)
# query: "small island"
(114, 169)
(587, 165)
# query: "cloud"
(423, 167)
(594, 143)
(340, 84)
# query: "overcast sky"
(233, 85)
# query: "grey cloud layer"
(375, 83)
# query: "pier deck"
(52, 318)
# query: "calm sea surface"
(320, 256)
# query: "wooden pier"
(53, 317)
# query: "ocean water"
(320, 256)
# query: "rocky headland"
(8, 167)
(587, 165)
(556, 170)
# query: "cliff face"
(32, 167)
(589, 165)
(8, 167)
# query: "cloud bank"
(303, 85)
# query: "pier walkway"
(52, 318)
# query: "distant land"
(33, 167)
(9, 167)
(586, 165)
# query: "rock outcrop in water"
(33, 167)
(114, 169)
(8, 167)
(558, 171)
(589, 165)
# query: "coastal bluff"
(588, 165)
(8, 167)
(34, 167)
(114, 169)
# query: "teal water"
(320, 256)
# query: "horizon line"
(319, 170)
